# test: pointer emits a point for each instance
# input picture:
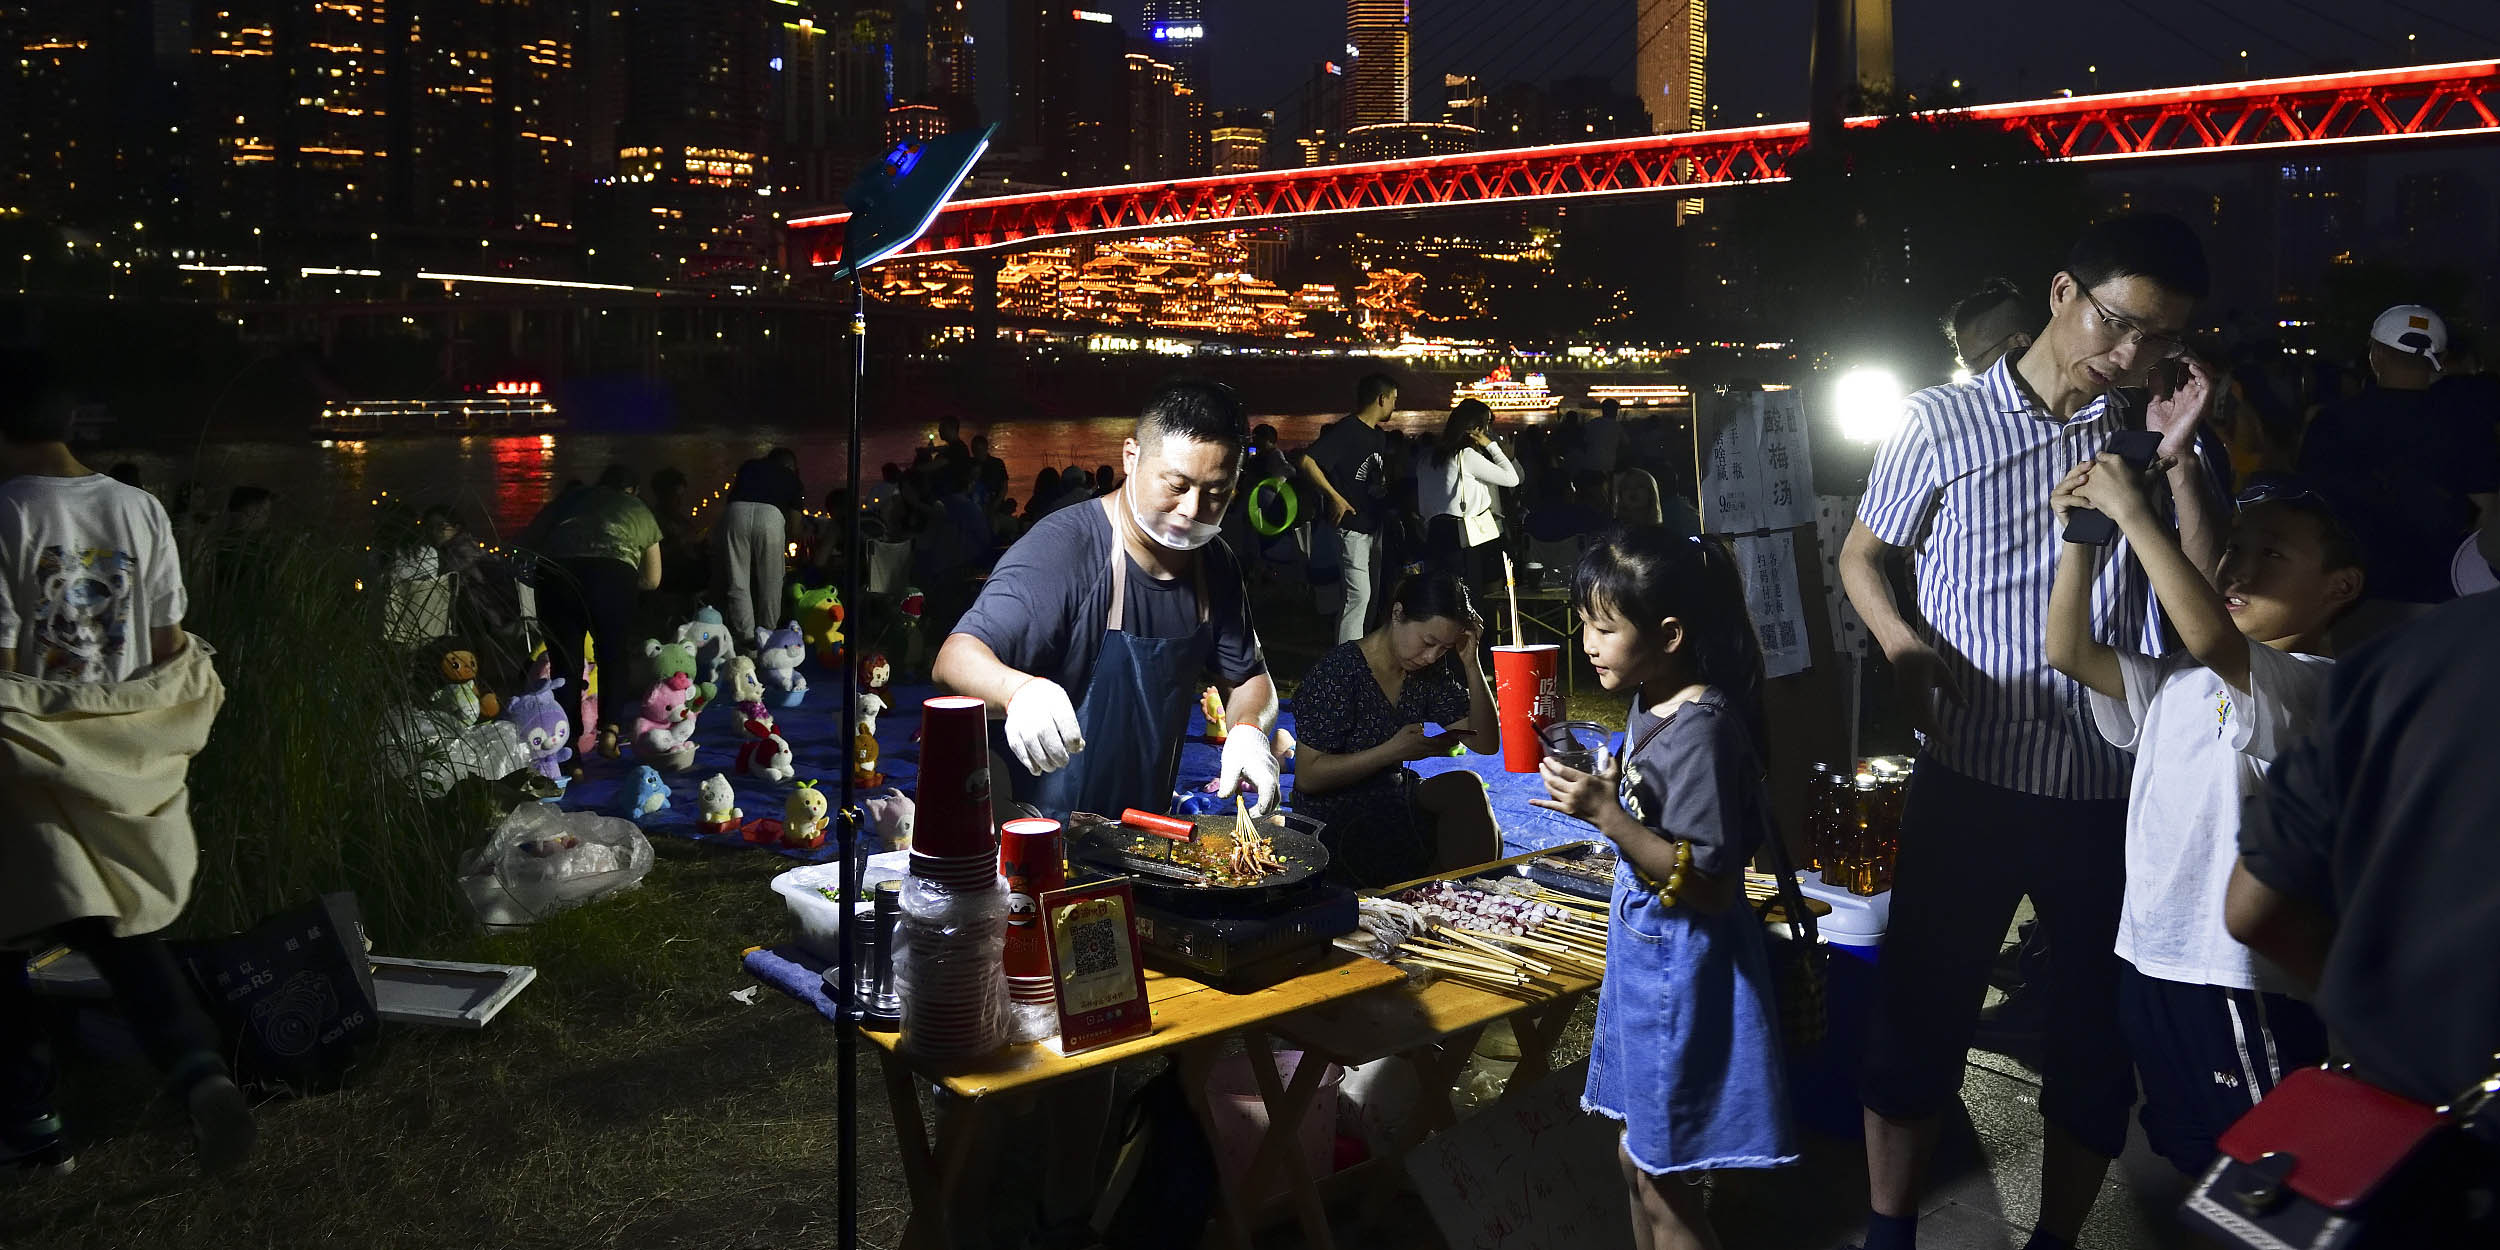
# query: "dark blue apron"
(1133, 712)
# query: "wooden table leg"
(934, 1175)
(1195, 1062)
(1286, 1106)
(1537, 1029)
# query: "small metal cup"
(877, 984)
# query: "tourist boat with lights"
(1500, 392)
(498, 408)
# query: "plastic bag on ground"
(543, 860)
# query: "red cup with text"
(951, 815)
(1525, 685)
(1030, 857)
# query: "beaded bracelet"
(1675, 880)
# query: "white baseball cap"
(2412, 328)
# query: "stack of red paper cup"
(1030, 858)
(953, 842)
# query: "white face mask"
(1169, 528)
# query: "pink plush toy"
(665, 722)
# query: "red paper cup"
(1029, 857)
(952, 809)
(956, 872)
(1525, 686)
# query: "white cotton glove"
(1042, 728)
(1249, 760)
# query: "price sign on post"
(1756, 468)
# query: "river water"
(498, 483)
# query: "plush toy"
(720, 810)
(870, 708)
(665, 726)
(778, 654)
(803, 817)
(864, 756)
(1211, 703)
(673, 659)
(708, 637)
(819, 621)
(743, 685)
(587, 733)
(766, 753)
(876, 675)
(891, 814)
(539, 720)
(457, 697)
(649, 795)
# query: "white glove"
(1248, 759)
(1042, 728)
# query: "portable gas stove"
(1232, 937)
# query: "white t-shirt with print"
(2201, 752)
(87, 568)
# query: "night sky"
(1262, 50)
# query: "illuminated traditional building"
(1377, 90)
(1207, 284)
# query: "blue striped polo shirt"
(1965, 484)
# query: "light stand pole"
(891, 205)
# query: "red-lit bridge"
(2415, 104)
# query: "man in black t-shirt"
(750, 544)
(1095, 631)
(1345, 464)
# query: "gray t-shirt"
(1696, 780)
(1043, 609)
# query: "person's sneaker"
(34, 1151)
(221, 1120)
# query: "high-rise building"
(1671, 69)
(1238, 143)
(490, 134)
(1177, 30)
(1377, 90)
(1321, 128)
(953, 67)
(2321, 216)
(1160, 118)
(691, 147)
(297, 113)
(1084, 98)
(1870, 33)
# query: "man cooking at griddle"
(1096, 629)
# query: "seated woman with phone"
(1362, 715)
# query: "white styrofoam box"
(1856, 919)
(815, 918)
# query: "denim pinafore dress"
(1687, 1045)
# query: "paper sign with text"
(1768, 563)
(1756, 470)
(1532, 1172)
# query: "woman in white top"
(1455, 489)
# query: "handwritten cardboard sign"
(1531, 1172)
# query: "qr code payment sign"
(1095, 959)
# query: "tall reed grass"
(292, 795)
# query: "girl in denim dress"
(1686, 1052)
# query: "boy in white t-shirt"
(2212, 1027)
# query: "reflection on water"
(498, 483)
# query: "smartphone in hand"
(2137, 448)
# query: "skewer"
(1502, 963)
(1556, 950)
(1509, 956)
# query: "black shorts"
(2206, 1054)
(1970, 851)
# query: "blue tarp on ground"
(820, 746)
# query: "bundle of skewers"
(1254, 853)
(1487, 934)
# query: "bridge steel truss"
(2410, 104)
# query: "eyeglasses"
(2163, 346)
(2275, 491)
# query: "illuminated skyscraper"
(1377, 90)
(1870, 32)
(952, 65)
(492, 138)
(1177, 30)
(295, 98)
(690, 149)
(1671, 69)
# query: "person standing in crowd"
(989, 473)
(950, 444)
(1455, 488)
(1346, 466)
(96, 849)
(2012, 793)
(2416, 475)
(607, 548)
(1989, 324)
(1600, 446)
(2204, 726)
(1361, 718)
(1264, 459)
(1686, 1050)
(1095, 630)
(752, 542)
(2367, 876)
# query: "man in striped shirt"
(2014, 793)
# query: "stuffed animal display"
(778, 654)
(803, 818)
(744, 686)
(765, 753)
(649, 795)
(676, 659)
(890, 814)
(538, 718)
(720, 810)
(708, 637)
(819, 621)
